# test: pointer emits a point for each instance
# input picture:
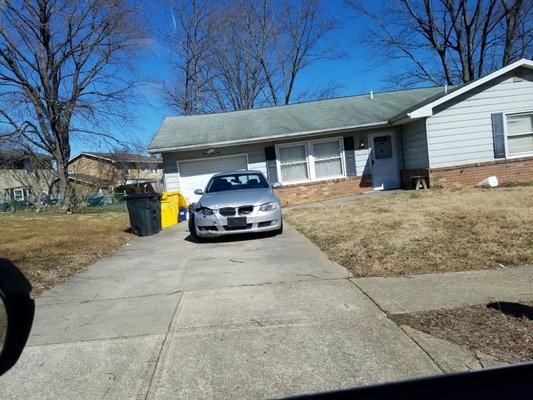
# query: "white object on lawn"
(489, 182)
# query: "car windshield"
(236, 181)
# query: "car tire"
(279, 231)
(192, 229)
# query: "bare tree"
(449, 41)
(247, 54)
(62, 72)
(191, 45)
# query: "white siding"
(415, 145)
(461, 132)
(362, 162)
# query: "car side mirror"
(276, 185)
(199, 192)
(17, 309)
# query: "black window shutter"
(271, 165)
(349, 143)
(498, 135)
(270, 153)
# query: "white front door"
(195, 174)
(384, 159)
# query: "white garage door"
(195, 174)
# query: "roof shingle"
(281, 121)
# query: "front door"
(384, 159)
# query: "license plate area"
(237, 222)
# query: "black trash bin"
(145, 213)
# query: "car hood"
(237, 198)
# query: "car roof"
(240, 171)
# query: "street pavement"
(261, 317)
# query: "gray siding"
(460, 132)
(415, 145)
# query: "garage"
(194, 174)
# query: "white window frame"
(310, 159)
(18, 190)
(515, 155)
(278, 161)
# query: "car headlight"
(205, 211)
(269, 206)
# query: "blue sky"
(358, 72)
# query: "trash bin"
(167, 212)
(176, 203)
(169, 208)
(144, 210)
(182, 214)
(183, 207)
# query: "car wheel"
(192, 227)
(280, 230)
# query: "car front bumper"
(218, 225)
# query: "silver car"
(235, 202)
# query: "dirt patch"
(502, 330)
(425, 231)
(49, 248)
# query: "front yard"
(425, 231)
(50, 247)
(436, 231)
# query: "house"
(453, 136)
(106, 170)
(24, 176)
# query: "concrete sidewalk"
(266, 317)
(448, 290)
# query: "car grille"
(246, 210)
(242, 210)
(227, 211)
(237, 228)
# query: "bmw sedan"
(235, 202)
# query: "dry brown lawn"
(502, 330)
(424, 231)
(49, 247)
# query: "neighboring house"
(24, 176)
(106, 170)
(453, 136)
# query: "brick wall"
(291, 195)
(507, 171)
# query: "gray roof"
(119, 157)
(265, 124)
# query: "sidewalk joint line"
(163, 342)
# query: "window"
(126, 169)
(18, 194)
(519, 133)
(293, 163)
(328, 160)
(310, 161)
(154, 170)
(383, 147)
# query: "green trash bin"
(144, 210)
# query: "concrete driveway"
(166, 318)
